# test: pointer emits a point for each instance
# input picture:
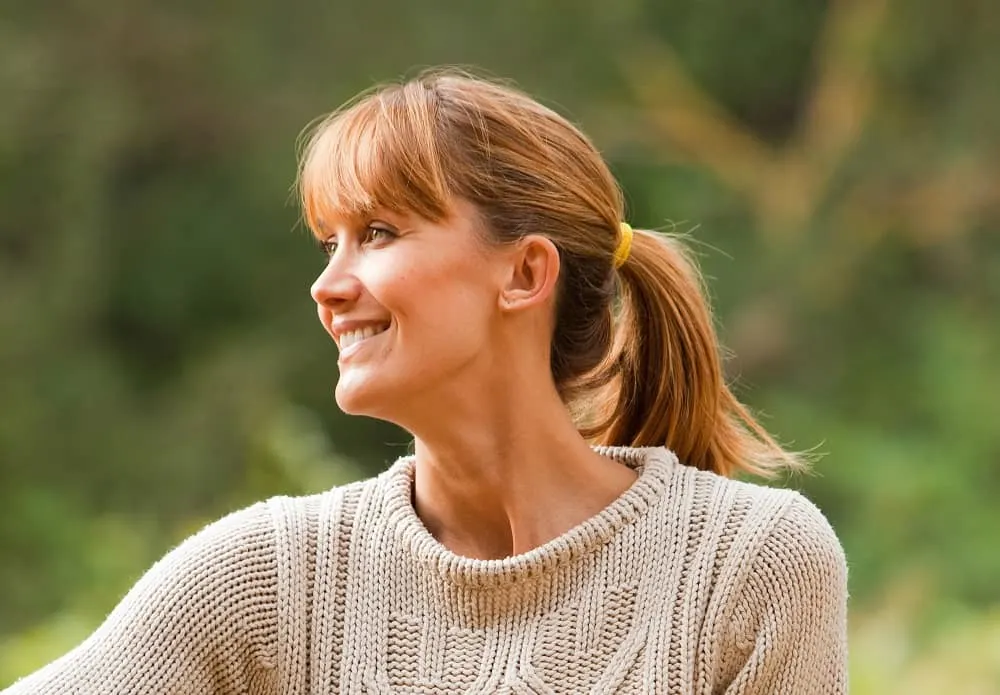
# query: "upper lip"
(341, 326)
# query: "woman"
(485, 294)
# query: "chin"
(352, 402)
(365, 397)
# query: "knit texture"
(687, 583)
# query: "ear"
(532, 274)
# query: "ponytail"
(663, 383)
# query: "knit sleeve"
(789, 624)
(201, 621)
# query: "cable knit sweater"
(687, 583)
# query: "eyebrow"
(326, 229)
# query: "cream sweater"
(687, 583)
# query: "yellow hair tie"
(624, 244)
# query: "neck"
(510, 475)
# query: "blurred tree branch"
(784, 185)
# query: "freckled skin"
(432, 282)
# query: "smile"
(349, 339)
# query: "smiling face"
(472, 233)
(411, 305)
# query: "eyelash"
(329, 246)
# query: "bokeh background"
(835, 162)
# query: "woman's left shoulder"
(776, 619)
(796, 547)
(777, 525)
(800, 546)
(783, 597)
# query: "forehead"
(372, 157)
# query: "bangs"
(381, 152)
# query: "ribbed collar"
(654, 465)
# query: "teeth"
(356, 336)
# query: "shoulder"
(219, 554)
(209, 600)
(792, 535)
(778, 602)
(803, 536)
(799, 560)
(298, 516)
(310, 532)
(779, 605)
(763, 539)
(766, 518)
(779, 559)
(234, 571)
(218, 581)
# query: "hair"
(634, 353)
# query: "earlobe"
(533, 274)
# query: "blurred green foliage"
(836, 162)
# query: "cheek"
(446, 311)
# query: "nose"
(336, 285)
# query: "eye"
(374, 234)
(377, 234)
(328, 246)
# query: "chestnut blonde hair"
(634, 352)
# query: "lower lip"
(348, 353)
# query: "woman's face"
(410, 305)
